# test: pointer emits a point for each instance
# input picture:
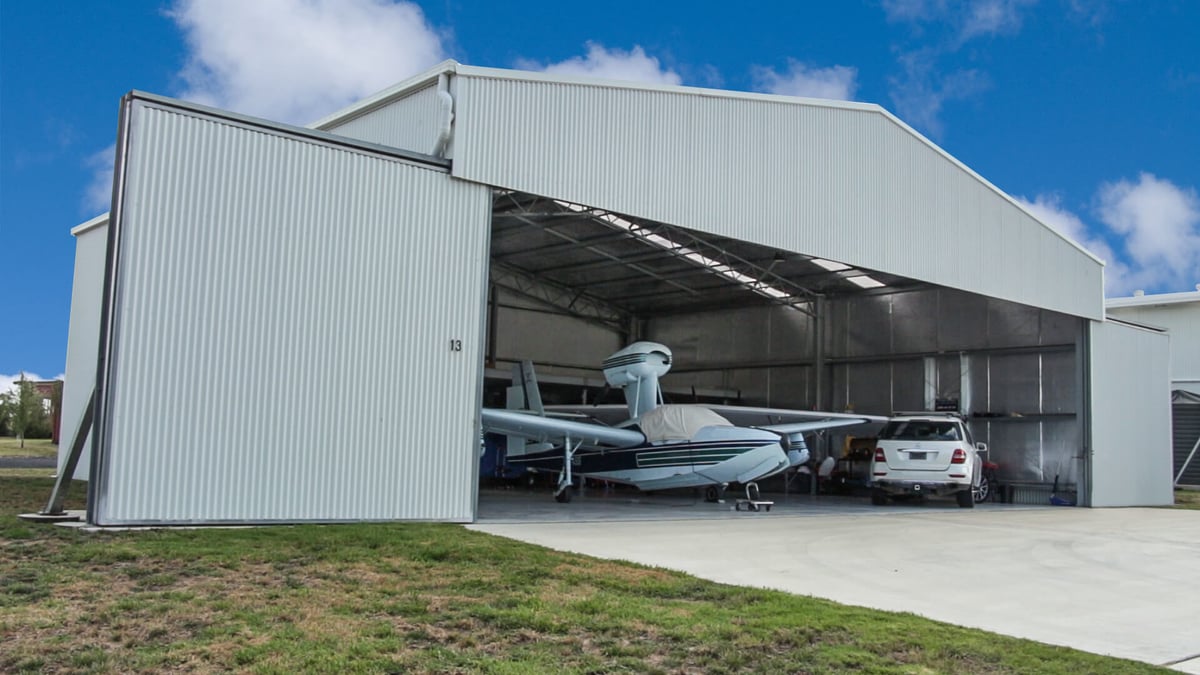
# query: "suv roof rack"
(928, 413)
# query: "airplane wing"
(779, 420)
(786, 421)
(538, 428)
(607, 413)
(805, 427)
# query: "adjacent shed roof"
(1153, 300)
(839, 181)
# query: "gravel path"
(28, 462)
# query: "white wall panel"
(1182, 319)
(281, 327)
(410, 122)
(1130, 417)
(83, 336)
(846, 182)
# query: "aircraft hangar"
(288, 325)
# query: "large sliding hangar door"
(292, 327)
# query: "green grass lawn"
(430, 598)
(34, 447)
(1187, 499)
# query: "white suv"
(926, 453)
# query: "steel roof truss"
(572, 301)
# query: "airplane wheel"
(710, 494)
(563, 497)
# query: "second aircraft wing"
(555, 429)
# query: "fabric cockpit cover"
(678, 422)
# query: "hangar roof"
(644, 268)
(776, 181)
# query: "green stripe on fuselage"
(685, 458)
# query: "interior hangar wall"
(763, 354)
(1012, 369)
(525, 329)
(1131, 446)
(847, 182)
(296, 329)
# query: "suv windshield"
(921, 430)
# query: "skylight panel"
(864, 281)
(829, 265)
(715, 266)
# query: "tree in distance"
(22, 409)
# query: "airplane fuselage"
(716, 456)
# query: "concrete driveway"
(1122, 582)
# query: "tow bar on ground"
(753, 501)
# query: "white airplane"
(657, 446)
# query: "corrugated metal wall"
(527, 330)
(87, 290)
(1130, 417)
(1183, 321)
(410, 122)
(1185, 423)
(286, 318)
(764, 353)
(1012, 368)
(844, 182)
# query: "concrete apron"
(1121, 582)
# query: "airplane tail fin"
(523, 395)
(636, 369)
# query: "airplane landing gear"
(716, 493)
(563, 495)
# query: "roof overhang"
(1154, 300)
(830, 180)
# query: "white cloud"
(97, 196)
(835, 82)
(991, 17)
(966, 20)
(1160, 225)
(631, 66)
(1148, 234)
(298, 60)
(921, 91)
(8, 383)
(1049, 210)
(913, 10)
(1090, 12)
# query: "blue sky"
(1087, 111)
